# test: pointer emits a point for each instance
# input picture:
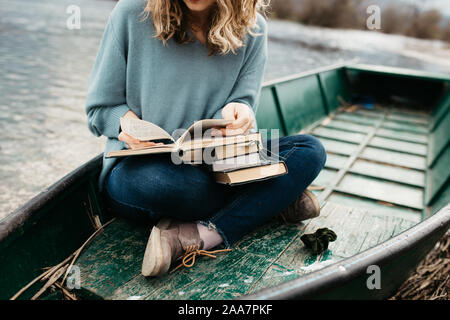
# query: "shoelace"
(188, 258)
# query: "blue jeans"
(147, 188)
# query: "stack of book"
(246, 162)
(232, 160)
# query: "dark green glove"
(318, 241)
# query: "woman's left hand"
(242, 116)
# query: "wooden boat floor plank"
(382, 190)
(110, 266)
(356, 230)
(377, 207)
(337, 134)
(402, 135)
(388, 172)
(324, 177)
(346, 125)
(402, 146)
(113, 258)
(376, 113)
(358, 119)
(414, 128)
(394, 158)
(422, 121)
(232, 274)
(410, 114)
(338, 147)
(335, 161)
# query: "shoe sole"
(152, 267)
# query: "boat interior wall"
(336, 88)
(300, 108)
(417, 92)
(441, 108)
(439, 137)
(295, 104)
(438, 161)
(268, 113)
(58, 224)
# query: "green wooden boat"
(384, 191)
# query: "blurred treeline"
(399, 18)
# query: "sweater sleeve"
(248, 85)
(106, 98)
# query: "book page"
(143, 130)
(141, 151)
(235, 163)
(233, 150)
(218, 141)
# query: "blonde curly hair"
(229, 22)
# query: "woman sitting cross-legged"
(173, 62)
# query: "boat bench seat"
(110, 266)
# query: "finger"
(144, 144)
(242, 130)
(247, 127)
(223, 132)
(239, 122)
(123, 136)
(229, 114)
(133, 147)
(133, 139)
(232, 132)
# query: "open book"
(195, 137)
(236, 159)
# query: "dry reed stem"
(431, 280)
(61, 268)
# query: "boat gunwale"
(18, 219)
(398, 72)
(354, 65)
(308, 73)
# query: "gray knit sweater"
(171, 86)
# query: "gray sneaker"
(304, 207)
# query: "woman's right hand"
(133, 143)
